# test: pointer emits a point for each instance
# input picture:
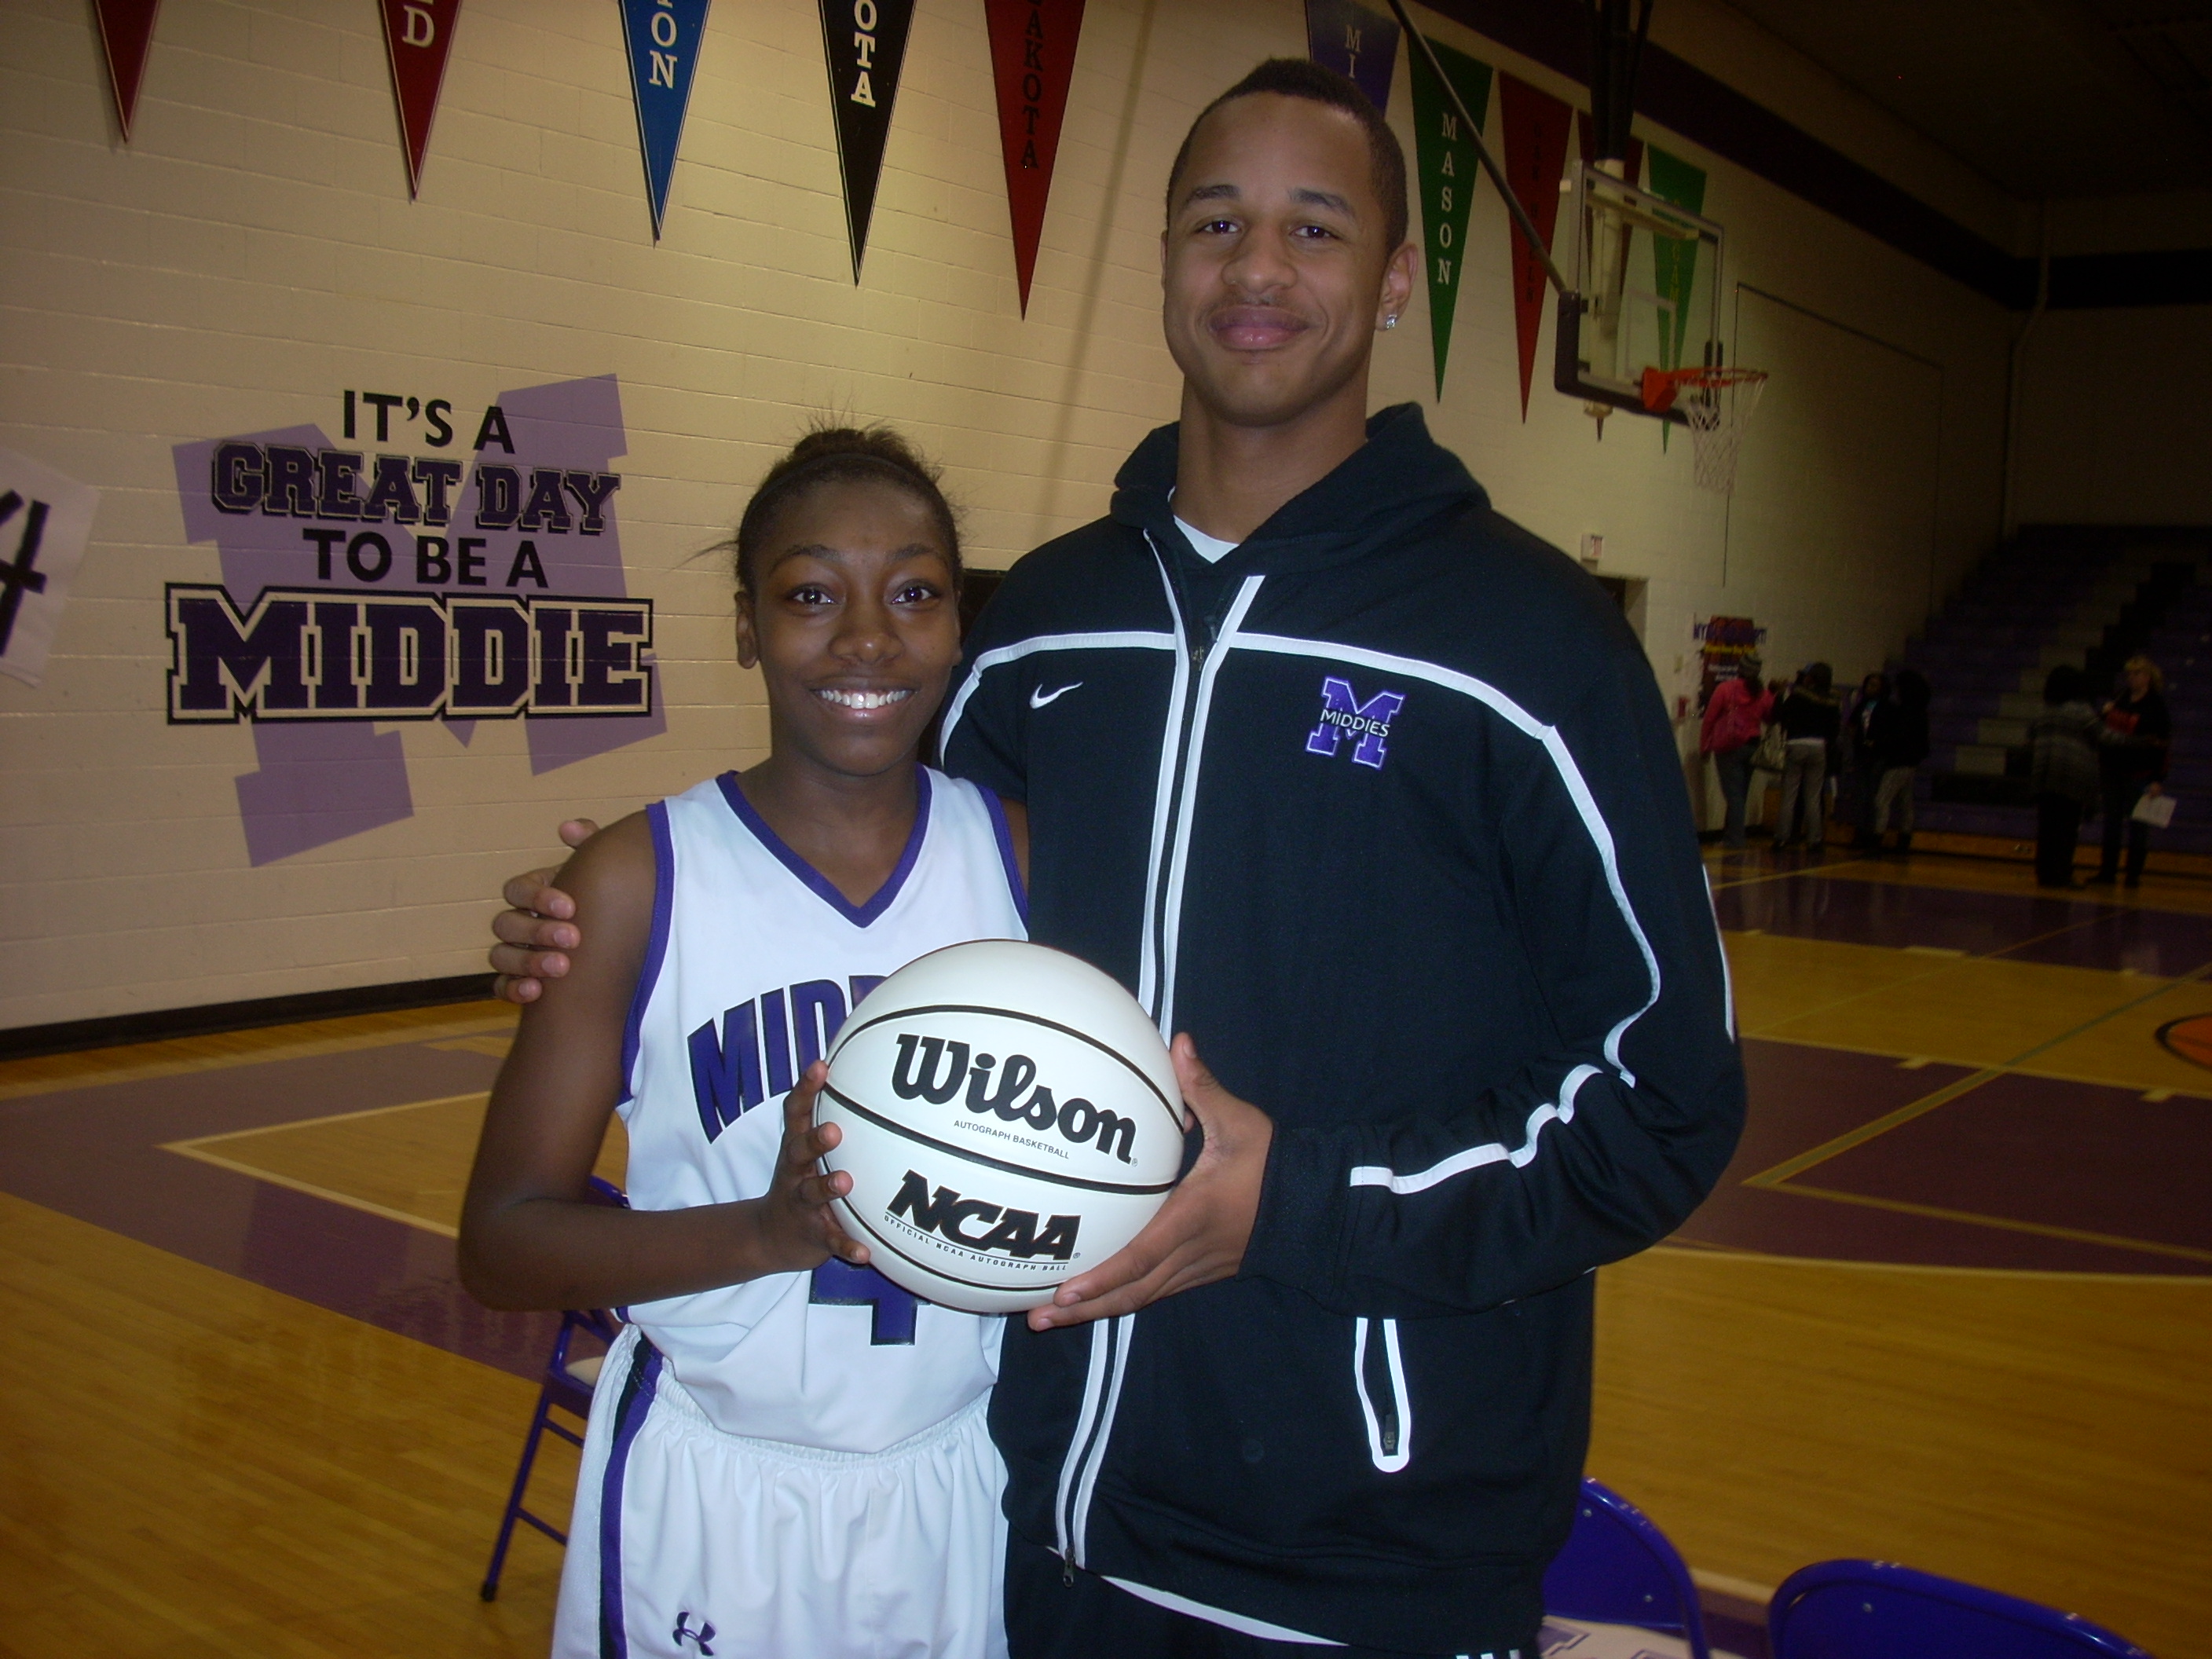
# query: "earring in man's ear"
(1389, 322)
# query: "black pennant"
(865, 41)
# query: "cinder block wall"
(253, 253)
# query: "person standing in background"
(1900, 744)
(1736, 715)
(1859, 717)
(2140, 734)
(2062, 746)
(1811, 723)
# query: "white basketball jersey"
(755, 960)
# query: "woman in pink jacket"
(1736, 715)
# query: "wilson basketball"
(1010, 1118)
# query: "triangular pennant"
(1674, 259)
(1032, 59)
(1355, 42)
(1535, 126)
(662, 37)
(417, 36)
(1445, 159)
(865, 41)
(126, 30)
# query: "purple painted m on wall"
(317, 783)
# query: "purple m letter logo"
(1342, 714)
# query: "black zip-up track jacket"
(1385, 810)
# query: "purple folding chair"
(1618, 1568)
(1879, 1610)
(566, 1385)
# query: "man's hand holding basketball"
(1200, 1232)
(539, 927)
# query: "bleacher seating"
(2064, 593)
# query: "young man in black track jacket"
(1384, 811)
(1370, 795)
(1381, 806)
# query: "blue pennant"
(662, 37)
(1346, 37)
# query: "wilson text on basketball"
(935, 1068)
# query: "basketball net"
(1719, 404)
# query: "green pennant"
(1674, 261)
(1446, 162)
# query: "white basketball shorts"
(688, 1541)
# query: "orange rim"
(1662, 385)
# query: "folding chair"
(1618, 1568)
(566, 1385)
(1879, 1610)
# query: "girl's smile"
(853, 625)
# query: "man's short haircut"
(1299, 77)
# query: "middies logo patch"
(1342, 715)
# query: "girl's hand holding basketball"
(798, 1229)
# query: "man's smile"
(1256, 328)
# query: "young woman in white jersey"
(787, 1454)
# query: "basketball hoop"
(1720, 406)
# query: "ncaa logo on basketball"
(1015, 1231)
(995, 1101)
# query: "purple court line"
(1781, 1178)
(1802, 1095)
(96, 1153)
(2136, 1173)
(2199, 1260)
(1821, 1154)
(2074, 933)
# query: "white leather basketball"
(1010, 1118)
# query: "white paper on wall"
(45, 522)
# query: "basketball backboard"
(1646, 293)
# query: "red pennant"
(1536, 125)
(417, 36)
(126, 30)
(1032, 59)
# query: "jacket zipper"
(1090, 1434)
(1087, 1446)
(1388, 1407)
(1199, 645)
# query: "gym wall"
(252, 254)
(2112, 423)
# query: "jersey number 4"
(840, 1283)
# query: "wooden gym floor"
(1952, 1305)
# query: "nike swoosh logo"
(1039, 698)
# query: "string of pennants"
(864, 44)
(1349, 38)
(1032, 46)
